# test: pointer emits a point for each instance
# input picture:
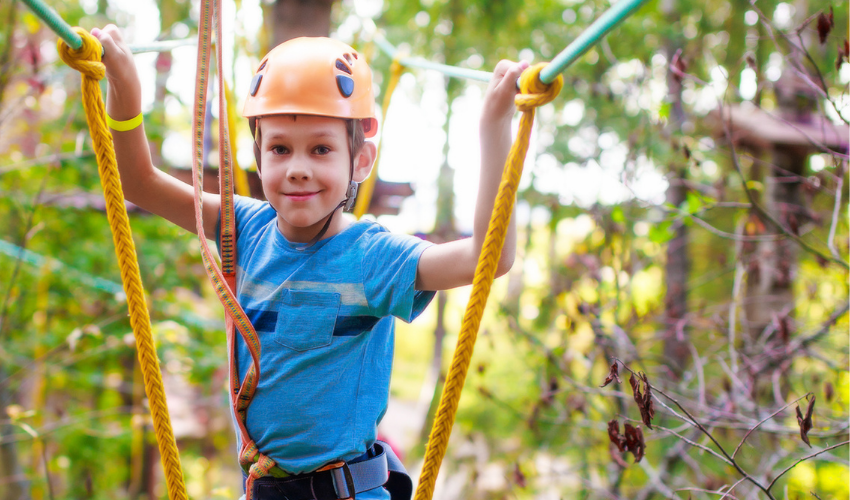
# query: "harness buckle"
(342, 479)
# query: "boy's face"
(305, 171)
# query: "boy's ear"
(364, 160)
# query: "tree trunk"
(294, 18)
(678, 266)
(770, 294)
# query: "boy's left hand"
(499, 99)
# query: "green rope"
(55, 23)
(67, 33)
(67, 272)
(589, 37)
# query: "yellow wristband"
(125, 125)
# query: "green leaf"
(661, 232)
(617, 215)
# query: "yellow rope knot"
(86, 60)
(533, 92)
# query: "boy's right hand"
(124, 92)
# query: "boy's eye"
(322, 150)
(278, 150)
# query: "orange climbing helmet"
(313, 76)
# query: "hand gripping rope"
(534, 93)
(86, 60)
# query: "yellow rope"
(534, 94)
(87, 61)
(367, 188)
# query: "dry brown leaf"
(806, 422)
(643, 399)
(613, 374)
(825, 24)
(635, 442)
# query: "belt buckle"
(343, 481)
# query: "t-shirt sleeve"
(389, 275)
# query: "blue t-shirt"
(324, 319)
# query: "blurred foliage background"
(709, 254)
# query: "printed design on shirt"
(346, 326)
(349, 322)
(350, 294)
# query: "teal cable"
(67, 33)
(55, 23)
(589, 37)
(58, 267)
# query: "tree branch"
(705, 431)
(803, 459)
(738, 448)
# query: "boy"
(319, 289)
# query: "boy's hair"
(356, 135)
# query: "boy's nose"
(299, 172)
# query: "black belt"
(377, 467)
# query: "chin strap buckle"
(350, 196)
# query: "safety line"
(587, 39)
(87, 62)
(34, 259)
(58, 267)
(66, 32)
(418, 62)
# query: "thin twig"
(703, 490)
(695, 444)
(738, 448)
(733, 313)
(700, 372)
(728, 492)
(823, 330)
(805, 458)
(723, 234)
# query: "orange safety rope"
(224, 278)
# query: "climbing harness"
(86, 59)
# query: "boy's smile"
(305, 169)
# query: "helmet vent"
(345, 85)
(255, 84)
(342, 66)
